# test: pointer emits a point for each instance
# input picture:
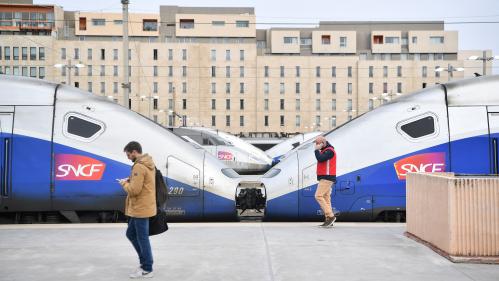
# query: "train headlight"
(271, 173)
(228, 172)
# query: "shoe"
(329, 222)
(140, 273)
(324, 223)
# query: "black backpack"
(161, 189)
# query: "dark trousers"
(138, 233)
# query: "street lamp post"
(484, 58)
(182, 118)
(69, 66)
(450, 69)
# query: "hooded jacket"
(141, 189)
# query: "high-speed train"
(449, 127)
(61, 150)
(233, 152)
(287, 145)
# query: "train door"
(494, 141)
(6, 122)
(469, 140)
(184, 187)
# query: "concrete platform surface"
(229, 251)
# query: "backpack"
(161, 189)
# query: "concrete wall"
(459, 215)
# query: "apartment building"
(212, 67)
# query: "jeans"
(138, 233)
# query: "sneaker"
(140, 273)
(329, 222)
(324, 223)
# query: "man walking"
(140, 205)
(326, 175)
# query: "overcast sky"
(471, 36)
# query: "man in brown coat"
(140, 205)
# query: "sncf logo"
(224, 155)
(426, 163)
(77, 167)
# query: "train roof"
(16, 90)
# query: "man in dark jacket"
(326, 175)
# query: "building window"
(227, 71)
(184, 54)
(241, 104)
(349, 71)
(317, 88)
(213, 55)
(115, 54)
(333, 71)
(32, 53)
(349, 105)
(385, 71)
(184, 87)
(297, 121)
(414, 40)
(298, 71)
(89, 70)
(318, 104)
(371, 71)
(41, 53)
(297, 105)
(227, 120)
(242, 23)
(41, 72)
(371, 88)
(102, 87)
(154, 70)
(155, 54)
(392, 40)
(282, 70)
(218, 23)
(436, 39)
(227, 88)
(76, 53)
(149, 25)
(437, 73)
(184, 104)
(102, 54)
(297, 88)
(266, 104)
(241, 55)
(213, 71)
(281, 88)
(266, 120)
(378, 39)
(83, 23)
(102, 70)
(184, 71)
(333, 104)
(241, 71)
(385, 87)
(349, 88)
(399, 71)
(213, 87)
(424, 71)
(63, 53)
(213, 120)
(333, 88)
(155, 104)
(282, 120)
(326, 39)
(32, 72)
(290, 40)
(343, 42)
(266, 88)
(98, 22)
(317, 71)
(170, 87)
(213, 104)
(170, 71)
(115, 87)
(241, 121)
(399, 87)
(281, 104)
(170, 54)
(371, 104)
(186, 23)
(333, 121)
(89, 86)
(155, 87)
(227, 55)
(266, 71)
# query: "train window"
(82, 127)
(206, 141)
(420, 127)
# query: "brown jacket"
(141, 189)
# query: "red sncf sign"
(78, 167)
(426, 163)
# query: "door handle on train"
(290, 181)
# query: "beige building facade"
(211, 67)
